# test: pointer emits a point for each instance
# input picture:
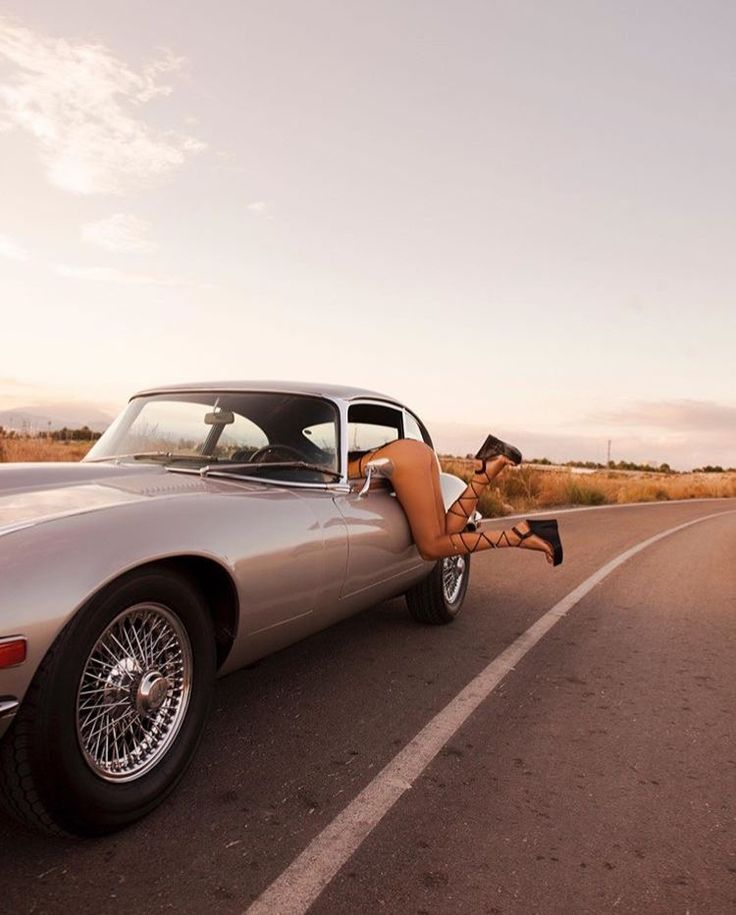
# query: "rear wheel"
(115, 711)
(439, 597)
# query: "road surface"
(599, 774)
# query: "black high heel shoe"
(493, 447)
(547, 531)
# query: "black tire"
(46, 780)
(429, 601)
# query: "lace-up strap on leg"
(464, 506)
(481, 537)
(482, 472)
(459, 514)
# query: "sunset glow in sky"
(514, 216)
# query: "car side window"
(322, 436)
(372, 425)
(415, 428)
(411, 428)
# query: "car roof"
(331, 391)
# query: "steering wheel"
(292, 453)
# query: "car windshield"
(284, 436)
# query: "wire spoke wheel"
(453, 570)
(134, 692)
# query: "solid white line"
(304, 879)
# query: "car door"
(381, 551)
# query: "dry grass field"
(518, 490)
(526, 488)
(41, 449)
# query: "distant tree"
(589, 465)
(83, 434)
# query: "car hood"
(32, 493)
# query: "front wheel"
(115, 711)
(438, 598)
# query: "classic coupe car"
(210, 525)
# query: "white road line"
(600, 508)
(294, 891)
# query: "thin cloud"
(120, 277)
(120, 232)
(10, 248)
(261, 208)
(16, 391)
(82, 104)
(674, 415)
(9, 384)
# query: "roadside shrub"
(492, 505)
(522, 483)
(583, 494)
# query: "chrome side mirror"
(381, 467)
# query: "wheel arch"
(214, 583)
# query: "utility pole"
(608, 462)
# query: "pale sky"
(514, 216)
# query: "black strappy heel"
(493, 447)
(547, 531)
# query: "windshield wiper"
(277, 465)
(152, 456)
(302, 465)
(170, 456)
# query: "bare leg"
(416, 481)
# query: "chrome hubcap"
(152, 692)
(453, 570)
(134, 692)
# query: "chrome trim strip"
(8, 707)
(210, 469)
(331, 487)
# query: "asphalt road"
(599, 775)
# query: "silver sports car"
(210, 525)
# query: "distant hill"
(41, 417)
